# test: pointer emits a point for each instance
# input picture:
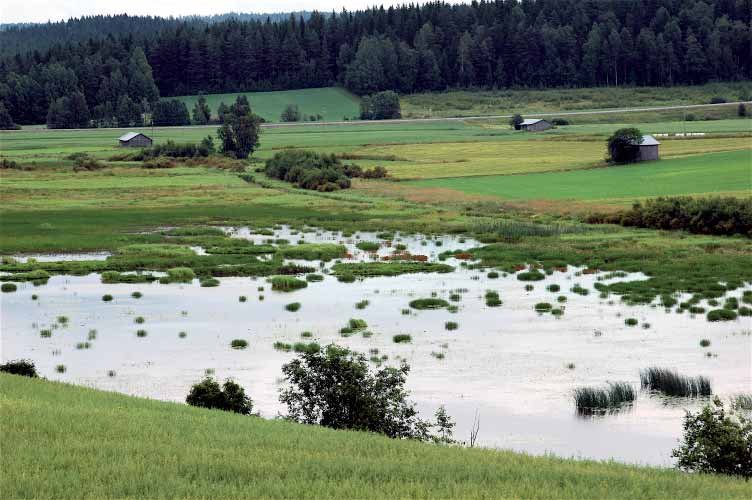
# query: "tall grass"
(595, 399)
(511, 230)
(671, 383)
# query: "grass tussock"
(672, 383)
(287, 283)
(430, 303)
(594, 399)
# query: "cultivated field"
(332, 103)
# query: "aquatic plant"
(239, 344)
(141, 333)
(139, 320)
(368, 246)
(182, 335)
(306, 335)
(532, 275)
(137, 295)
(311, 278)
(34, 296)
(492, 275)
(242, 298)
(311, 347)
(455, 297)
(402, 338)
(580, 290)
(570, 366)
(745, 311)
(63, 320)
(406, 312)
(543, 307)
(209, 282)
(553, 288)
(178, 275)
(362, 304)
(595, 399)
(492, 299)
(671, 383)
(111, 373)
(61, 368)
(287, 283)
(529, 288)
(83, 345)
(357, 324)
(705, 343)
(293, 306)
(721, 315)
(631, 322)
(8, 287)
(92, 335)
(45, 333)
(369, 269)
(438, 355)
(106, 297)
(313, 251)
(431, 303)
(451, 325)
(282, 346)
(561, 298)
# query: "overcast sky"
(35, 11)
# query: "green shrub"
(23, 367)
(230, 397)
(431, 303)
(239, 344)
(311, 278)
(492, 275)
(310, 170)
(282, 346)
(311, 347)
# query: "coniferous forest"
(485, 44)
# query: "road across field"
(433, 120)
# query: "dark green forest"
(485, 44)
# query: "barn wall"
(648, 153)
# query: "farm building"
(135, 139)
(537, 125)
(648, 149)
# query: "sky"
(36, 11)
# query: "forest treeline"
(410, 48)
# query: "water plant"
(362, 304)
(306, 335)
(570, 366)
(671, 383)
(368, 246)
(451, 325)
(357, 324)
(287, 283)
(182, 335)
(111, 373)
(529, 288)
(531, 275)
(311, 278)
(430, 303)
(631, 322)
(45, 333)
(438, 355)
(293, 306)
(561, 298)
(742, 402)
(63, 320)
(239, 344)
(705, 343)
(543, 307)
(580, 290)
(92, 335)
(492, 298)
(402, 338)
(83, 345)
(492, 275)
(282, 346)
(455, 297)
(106, 297)
(598, 399)
(209, 282)
(141, 333)
(721, 315)
(8, 287)
(34, 296)
(139, 320)
(310, 347)
(61, 368)
(553, 288)
(557, 311)
(178, 275)
(137, 295)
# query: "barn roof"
(649, 140)
(130, 135)
(531, 121)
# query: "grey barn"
(648, 149)
(537, 125)
(135, 139)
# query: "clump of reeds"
(451, 325)
(492, 298)
(303, 347)
(432, 303)
(580, 290)
(139, 320)
(362, 304)
(8, 287)
(242, 298)
(531, 275)
(438, 355)
(671, 383)
(137, 295)
(631, 322)
(282, 346)
(293, 306)
(721, 315)
(596, 399)
(543, 307)
(492, 275)
(287, 283)
(402, 338)
(106, 297)
(239, 344)
(141, 333)
(553, 288)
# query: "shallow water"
(507, 364)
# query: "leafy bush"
(725, 216)
(23, 367)
(173, 149)
(229, 397)
(716, 442)
(360, 400)
(381, 106)
(319, 172)
(291, 113)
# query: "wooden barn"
(135, 139)
(536, 125)
(648, 149)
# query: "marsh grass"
(742, 402)
(141, 333)
(705, 343)
(63, 320)
(282, 346)
(182, 335)
(579, 290)
(34, 296)
(601, 399)
(287, 283)
(561, 299)
(239, 344)
(721, 315)
(430, 303)
(92, 335)
(209, 282)
(368, 246)
(45, 333)
(139, 320)
(512, 230)
(306, 335)
(531, 275)
(402, 338)
(451, 325)
(242, 298)
(313, 278)
(553, 288)
(8, 287)
(61, 368)
(362, 304)
(293, 306)
(83, 345)
(106, 298)
(303, 347)
(631, 322)
(492, 298)
(137, 295)
(671, 383)
(543, 307)
(492, 275)
(178, 275)
(438, 355)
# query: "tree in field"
(381, 106)
(229, 397)
(222, 110)
(201, 111)
(291, 113)
(741, 111)
(239, 133)
(624, 145)
(140, 79)
(6, 121)
(515, 121)
(335, 388)
(716, 442)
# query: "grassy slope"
(61, 441)
(475, 103)
(726, 172)
(332, 103)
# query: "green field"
(61, 441)
(332, 103)
(728, 173)
(494, 102)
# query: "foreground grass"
(62, 441)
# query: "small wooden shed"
(536, 125)
(135, 139)
(649, 148)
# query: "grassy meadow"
(332, 103)
(62, 441)
(477, 103)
